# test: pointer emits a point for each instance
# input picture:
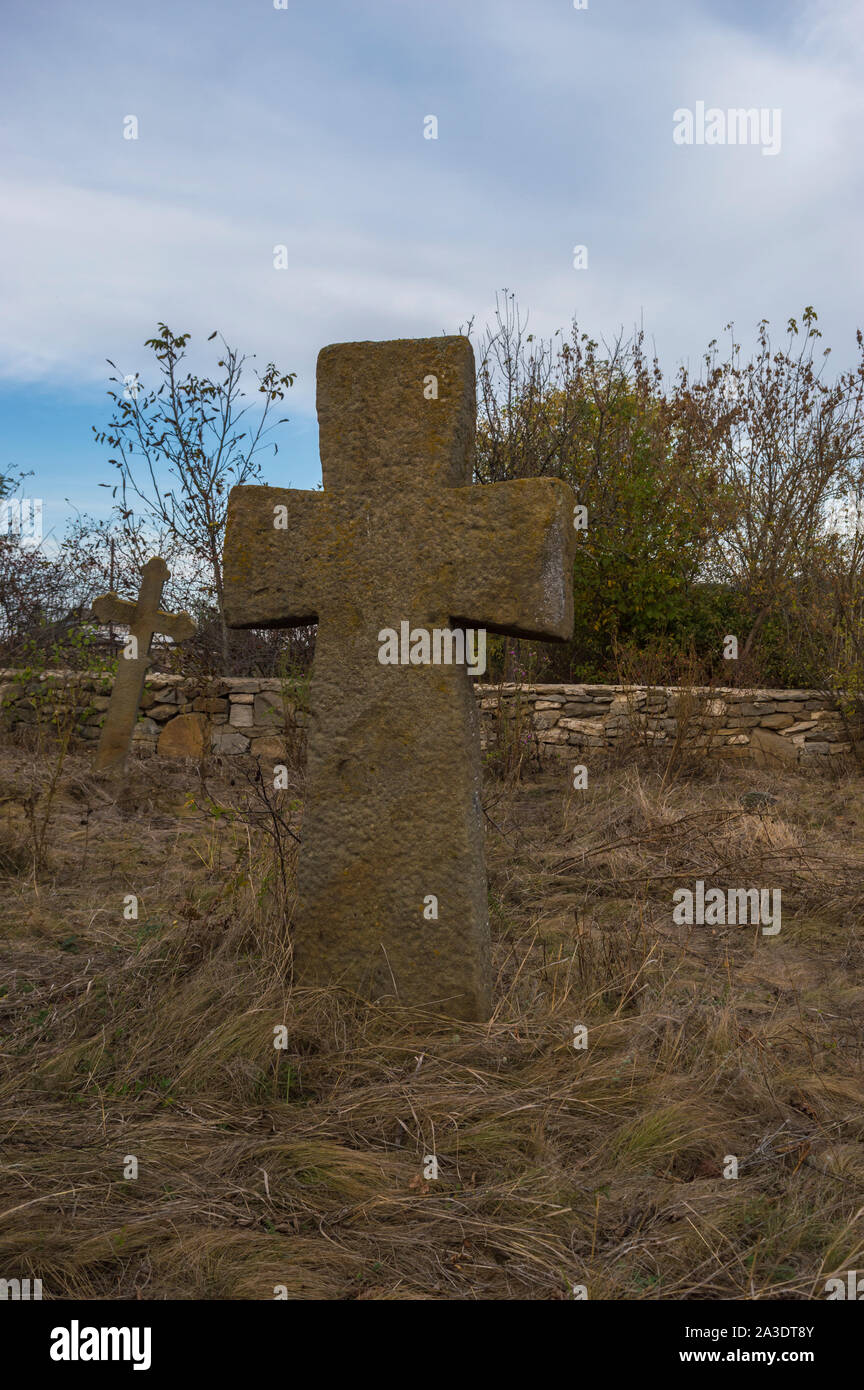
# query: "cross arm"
(178, 626)
(509, 557)
(110, 608)
(275, 540)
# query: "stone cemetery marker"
(144, 619)
(392, 893)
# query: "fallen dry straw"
(308, 1167)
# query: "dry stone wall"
(232, 716)
(785, 725)
(179, 716)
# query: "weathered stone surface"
(184, 737)
(270, 746)
(228, 742)
(143, 619)
(239, 685)
(162, 713)
(241, 716)
(578, 726)
(770, 747)
(145, 729)
(393, 816)
(270, 710)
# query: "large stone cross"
(144, 618)
(392, 897)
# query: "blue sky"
(303, 126)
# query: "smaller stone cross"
(143, 618)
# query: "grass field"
(303, 1169)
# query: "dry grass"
(557, 1166)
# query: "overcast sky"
(304, 126)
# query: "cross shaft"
(144, 618)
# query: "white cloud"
(556, 129)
